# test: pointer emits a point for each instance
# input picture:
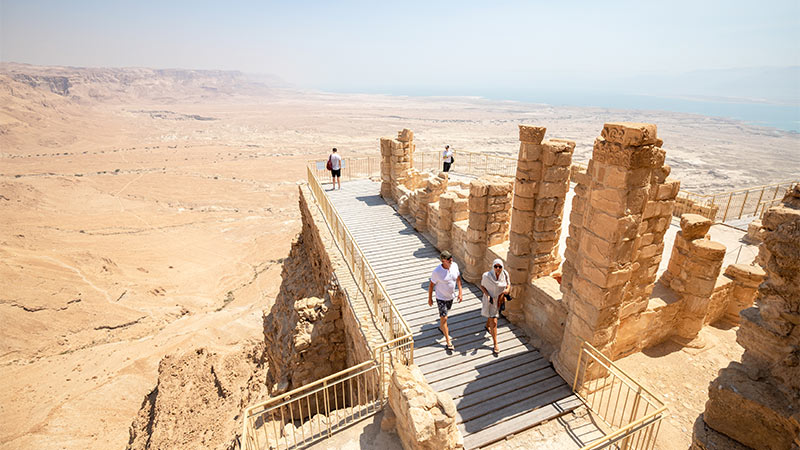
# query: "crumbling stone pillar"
(423, 418)
(745, 287)
(433, 188)
(443, 234)
(489, 213)
(692, 273)
(386, 169)
(397, 158)
(541, 185)
(608, 219)
(757, 402)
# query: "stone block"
(531, 134)
(545, 207)
(523, 203)
(498, 188)
(627, 157)
(694, 226)
(522, 222)
(478, 204)
(611, 228)
(478, 188)
(746, 274)
(552, 223)
(405, 136)
(707, 249)
(497, 207)
(554, 189)
(668, 190)
(630, 133)
(556, 174)
(525, 188)
(612, 176)
(519, 244)
(751, 412)
(478, 220)
(611, 201)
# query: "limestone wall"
(756, 403)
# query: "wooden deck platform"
(495, 395)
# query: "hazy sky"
(370, 45)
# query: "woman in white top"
(495, 286)
(447, 158)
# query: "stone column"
(757, 402)
(400, 161)
(541, 185)
(489, 214)
(443, 235)
(434, 187)
(692, 273)
(745, 287)
(609, 214)
(476, 231)
(386, 169)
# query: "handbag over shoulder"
(329, 166)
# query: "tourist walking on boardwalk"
(444, 279)
(495, 285)
(336, 168)
(447, 157)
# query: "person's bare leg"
(445, 331)
(493, 330)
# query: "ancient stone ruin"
(756, 403)
(607, 292)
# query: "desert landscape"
(147, 214)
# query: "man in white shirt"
(336, 168)
(447, 157)
(444, 279)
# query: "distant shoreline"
(783, 117)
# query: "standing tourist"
(447, 157)
(444, 279)
(495, 286)
(336, 168)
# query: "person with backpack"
(335, 166)
(447, 158)
(495, 285)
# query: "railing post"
(744, 202)
(758, 203)
(725, 216)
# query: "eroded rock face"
(424, 419)
(303, 331)
(199, 398)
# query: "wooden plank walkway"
(495, 395)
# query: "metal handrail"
(397, 335)
(365, 270)
(639, 420)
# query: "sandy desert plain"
(146, 213)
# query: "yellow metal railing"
(382, 307)
(732, 205)
(632, 413)
(316, 410)
(469, 163)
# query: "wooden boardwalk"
(495, 395)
